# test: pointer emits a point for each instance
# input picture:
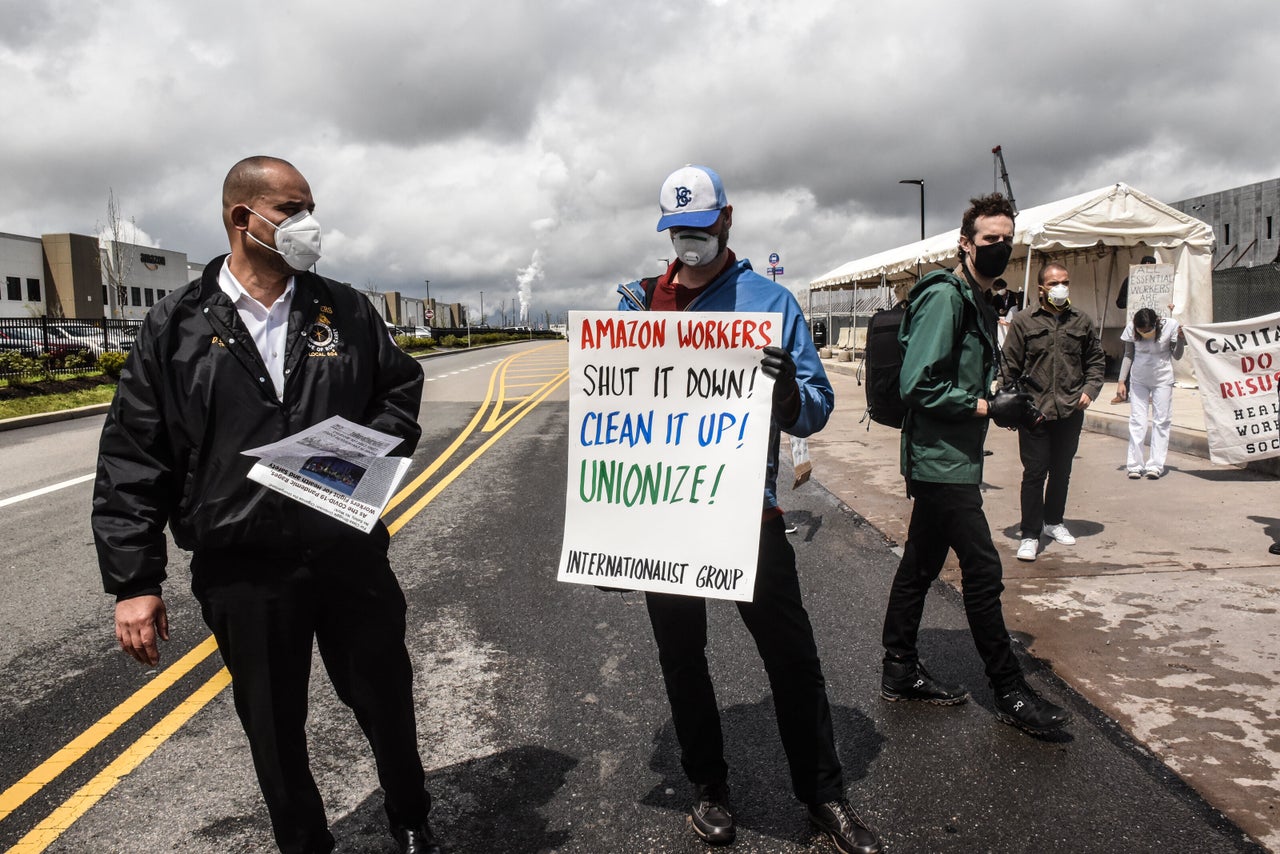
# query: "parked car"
(122, 339)
(57, 345)
(93, 338)
(86, 337)
(421, 332)
(15, 339)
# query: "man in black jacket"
(1059, 348)
(254, 351)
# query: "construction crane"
(1003, 174)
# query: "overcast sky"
(480, 145)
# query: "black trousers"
(264, 615)
(1047, 452)
(949, 516)
(784, 637)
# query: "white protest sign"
(668, 435)
(1238, 366)
(1150, 286)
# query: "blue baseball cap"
(692, 196)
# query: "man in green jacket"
(948, 364)
(1059, 348)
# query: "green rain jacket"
(948, 363)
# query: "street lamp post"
(427, 282)
(482, 306)
(920, 183)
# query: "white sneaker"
(1027, 549)
(1060, 533)
(1153, 474)
(1135, 474)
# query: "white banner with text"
(1238, 365)
(668, 438)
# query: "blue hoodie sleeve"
(817, 398)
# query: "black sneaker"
(416, 840)
(1024, 708)
(908, 680)
(849, 833)
(710, 817)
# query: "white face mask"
(696, 248)
(297, 239)
(1059, 294)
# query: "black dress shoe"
(416, 840)
(711, 817)
(849, 833)
(908, 680)
(1275, 549)
(1024, 708)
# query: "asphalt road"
(543, 721)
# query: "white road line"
(44, 490)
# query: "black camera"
(1012, 405)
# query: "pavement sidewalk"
(1164, 613)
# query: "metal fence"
(1244, 292)
(42, 347)
(845, 314)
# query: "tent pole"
(1026, 278)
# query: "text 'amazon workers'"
(706, 334)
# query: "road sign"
(773, 258)
(428, 314)
(775, 271)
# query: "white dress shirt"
(268, 327)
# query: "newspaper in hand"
(336, 467)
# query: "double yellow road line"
(505, 403)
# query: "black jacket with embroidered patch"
(194, 393)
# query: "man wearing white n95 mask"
(1057, 347)
(253, 351)
(706, 276)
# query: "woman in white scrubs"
(1151, 343)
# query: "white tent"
(1095, 235)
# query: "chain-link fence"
(1243, 292)
(844, 314)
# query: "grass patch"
(35, 404)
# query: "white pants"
(1159, 399)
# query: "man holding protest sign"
(707, 277)
(948, 340)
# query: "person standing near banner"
(1151, 344)
(1058, 348)
(255, 350)
(706, 276)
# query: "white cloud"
(471, 144)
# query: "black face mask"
(990, 259)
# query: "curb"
(101, 408)
(51, 417)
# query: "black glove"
(777, 363)
(1011, 409)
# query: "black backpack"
(881, 366)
